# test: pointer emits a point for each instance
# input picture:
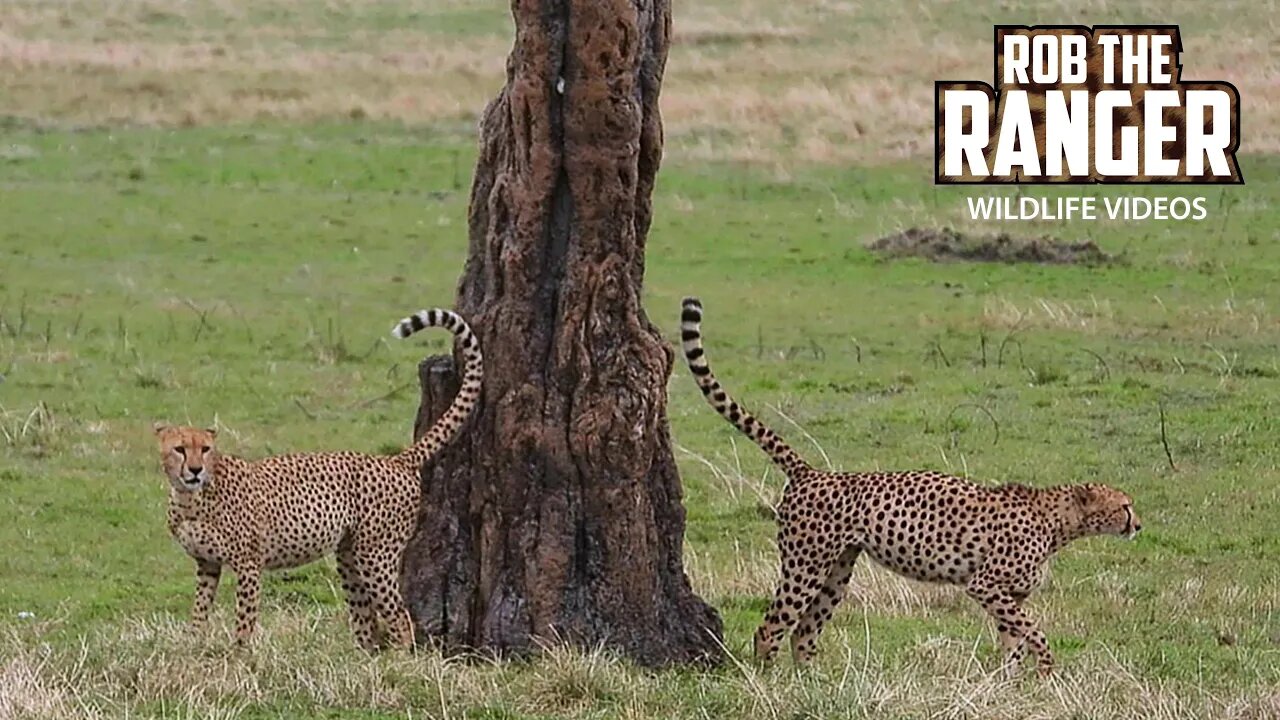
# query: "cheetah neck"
(184, 505)
(1063, 512)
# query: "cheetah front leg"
(805, 637)
(248, 589)
(1018, 631)
(207, 575)
(805, 566)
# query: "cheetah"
(289, 510)
(924, 525)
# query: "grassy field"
(826, 81)
(191, 253)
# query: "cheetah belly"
(922, 553)
(293, 544)
(307, 521)
(944, 567)
(923, 528)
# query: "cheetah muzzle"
(993, 541)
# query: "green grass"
(250, 276)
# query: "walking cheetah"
(921, 524)
(288, 510)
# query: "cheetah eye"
(204, 450)
(181, 451)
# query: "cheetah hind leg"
(357, 591)
(804, 569)
(805, 637)
(381, 569)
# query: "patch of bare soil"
(948, 245)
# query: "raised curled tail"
(691, 336)
(450, 423)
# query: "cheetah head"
(186, 453)
(1106, 511)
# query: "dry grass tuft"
(303, 661)
(1002, 313)
(28, 687)
(35, 431)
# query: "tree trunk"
(557, 515)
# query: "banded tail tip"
(691, 310)
(414, 323)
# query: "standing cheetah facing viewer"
(921, 524)
(288, 510)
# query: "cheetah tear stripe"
(769, 441)
(450, 423)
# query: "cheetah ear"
(159, 428)
(1086, 495)
(213, 431)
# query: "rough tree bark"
(557, 516)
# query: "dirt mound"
(945, 244)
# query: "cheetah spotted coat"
(288, 510)
(924, 525)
